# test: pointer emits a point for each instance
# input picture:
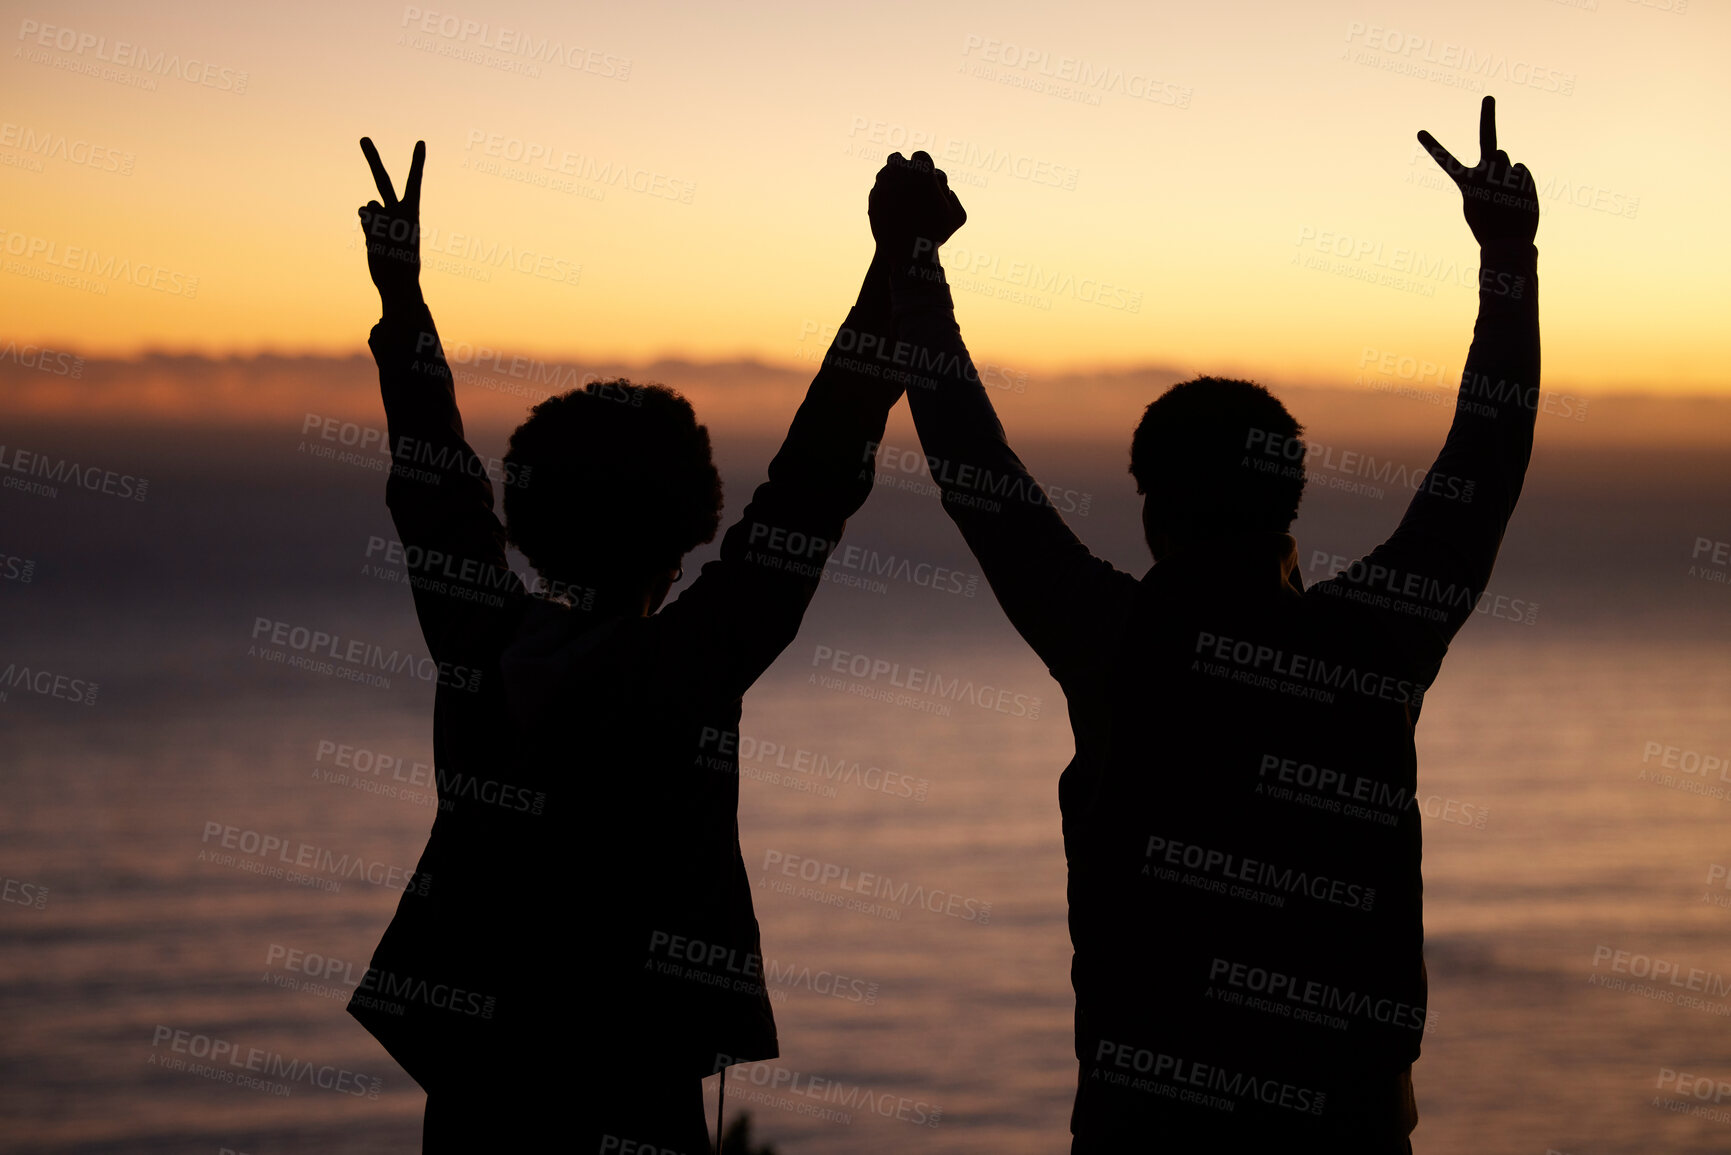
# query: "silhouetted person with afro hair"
(578, 946)
(1239, 819)
(617, 476)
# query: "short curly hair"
(612, 482)
(1225, 453)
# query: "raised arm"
(440, 493)
(1062, 599)
(1436, 565)
(746, 606)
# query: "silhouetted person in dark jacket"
(1245, 896)
(579, 946)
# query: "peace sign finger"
(412, 190)
(1444, 158)
(383, 178)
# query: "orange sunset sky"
(1227, 187)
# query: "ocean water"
(1562, 865)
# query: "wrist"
(1500, 251)
(401, 303)
(907, 269)
(1508, 271)
(907, 248)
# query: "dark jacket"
(582, 893)
(1239, 818)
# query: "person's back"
(648, 856)
(580, 817)
(1243, 848)
(1244, 859)
(538, 979)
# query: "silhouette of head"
(614, 484)
(1216, 456)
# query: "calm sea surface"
(1552, 838)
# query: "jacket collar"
(1239, 563)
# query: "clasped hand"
(912, 211)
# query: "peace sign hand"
(393, 229)
(1498, 197)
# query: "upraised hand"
(912, 210)
(393, 229)
(1498, 197)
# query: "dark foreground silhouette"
(579, 948)
(1244, 886)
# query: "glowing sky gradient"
(1147, 184)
